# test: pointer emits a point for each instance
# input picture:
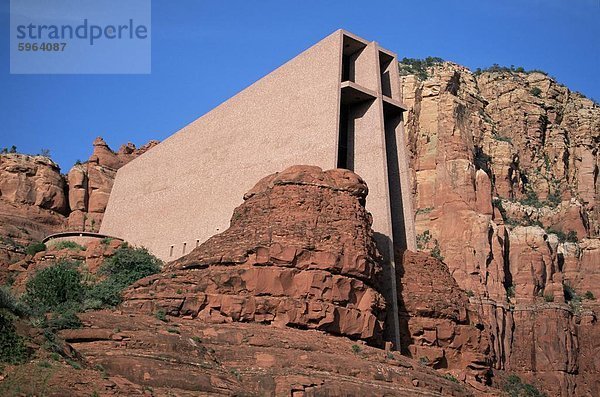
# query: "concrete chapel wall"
(184, 190)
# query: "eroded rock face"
(505, 187)
(439, 328)
(299, 252)
(33, 203)
(32, 180)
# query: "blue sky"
(203, 52)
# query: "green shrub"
(55, 288)
(589, 295)
(535, 91)
(71, 245)
(554, 199)
(510, 291)
(531, 199)
(571, 236)
(107, 292)
(34, 248)
(423, 239)
(128, 265)
(356, 349)
(122, 269)
(549, 298)
(514, 387)
(161, 315)
(470, 293)
(106, 240)
(12, 346)
(436, 252)
(570, 293)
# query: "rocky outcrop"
(505, 186)
(438, 326)
(90, 183)
(32, 181)
(299, 252)
(33, 203)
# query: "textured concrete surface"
(183, 191)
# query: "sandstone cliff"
(37, 200)
(505, 185)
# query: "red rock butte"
(336, 105)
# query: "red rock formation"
(475, 137)
(32, 203)
(437, 325)
(90, 183)
(33, 181)
(299, 252)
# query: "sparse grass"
(106, 241)
(502, 138)
(356, 349)
(73, 363)
(70, 245)
(44, 364)
(451, 378)
(173, 331)
(469, 293)
(424, 210)
(549, 297)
